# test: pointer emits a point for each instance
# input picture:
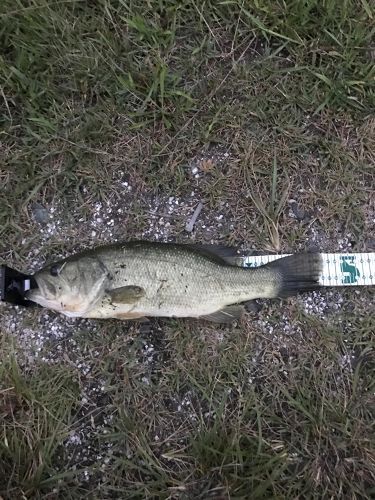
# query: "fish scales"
(138, 279)
(178, 281)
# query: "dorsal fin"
(221, 253)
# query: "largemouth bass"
(142, 279)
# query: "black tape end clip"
(14, 285)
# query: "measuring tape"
(339, 269)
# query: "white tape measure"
(339, 269)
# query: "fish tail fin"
(296, 273)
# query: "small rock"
(253, 306)
(40, 213)
(190, 225)
(312, 247)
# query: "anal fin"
(226, 315)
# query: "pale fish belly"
(126, 311)
(161, 305)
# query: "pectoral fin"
(226, 315)
(126, 294)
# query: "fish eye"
(54, 271)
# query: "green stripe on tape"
(339, 269)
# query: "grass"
(95, 94)
(36, 410)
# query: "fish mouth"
(38, 298)
(35, 295)
(42, 292)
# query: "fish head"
(71, 286)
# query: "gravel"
(46, 337)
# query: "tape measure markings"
(339, 269)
